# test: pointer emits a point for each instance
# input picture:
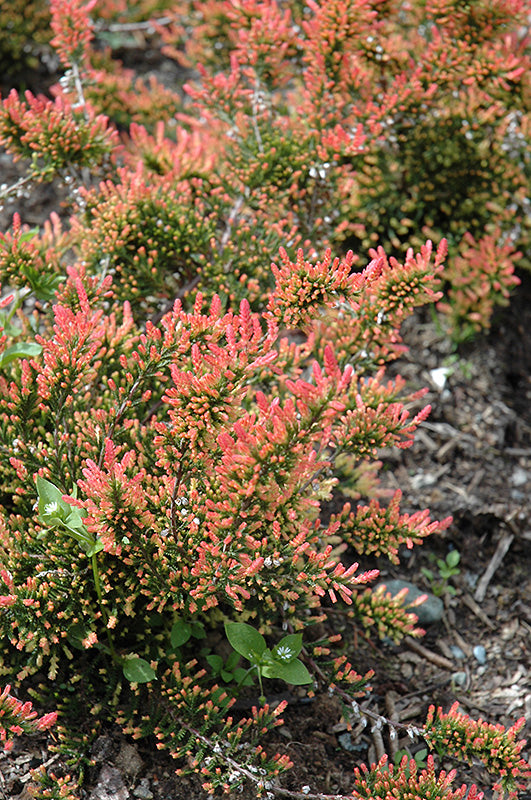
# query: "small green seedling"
(281, 662)
(182, 631)
(447, 568)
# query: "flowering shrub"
(443, 100)
(480, 277)
(408, 126)
(49, 786)
(173, 407)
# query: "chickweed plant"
(184, 361)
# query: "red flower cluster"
(73, 29)
(17, 718)
(498, 749)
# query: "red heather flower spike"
(68, 357)
(376, 529)
(302, 286)
(116, 504)
(266, 37)
(73, 29)
(17, 717)
(5, 301)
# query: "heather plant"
(173, 405)
(443, 100)
(346, 125)
(25, 31)
(494, 746)
(164, 452)
(49, 786)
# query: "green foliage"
(137, 670)
(281, 662)
(229, 670)
(24, 28)
(419, 757)
(54, 512)
(446, 568)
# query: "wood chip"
(503, 546)
(444, 647)
(465, 647)
(412, 711)
(378, 742)
(435, 658)
(446, 451)
(475, 480)
(392, 714)
(469, 601)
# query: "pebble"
(345, 741)
(520, 477)
(439, 376)
(431, 609)
(459, 678)
(457, 652)
(285, 732)
(480, 654)
(143, 791)
(471, 579)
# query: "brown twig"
(503, 546)
(469, 601)
(435, 658)
(393, 716)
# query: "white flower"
(51, 508)
(284, 653)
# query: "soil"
(470, 460)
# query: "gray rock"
(345, 741)
(128, 760)
(480, 654)
(431, 609)
(143, 791)
(457, 652)
(459, 678)
(520, 477)
(110, 785)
